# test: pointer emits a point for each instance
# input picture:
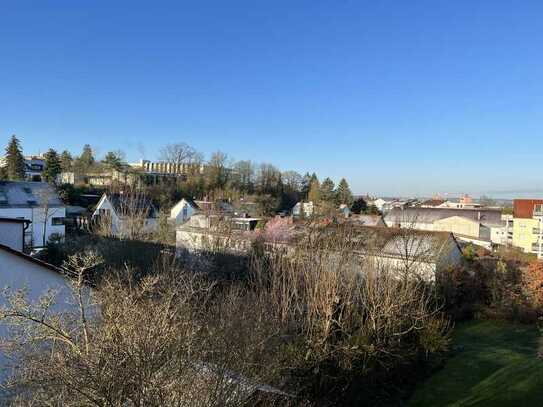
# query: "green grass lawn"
(496, 367)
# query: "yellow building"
(528, 225)
(523, 233)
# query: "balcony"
(537, 231)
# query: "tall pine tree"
(52, 166)
(327, 191)
(15, 162)
(314, 194)
(344, 195)
(113, 160)
(66, 161)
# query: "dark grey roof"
(19, 194)
(121, 202)
(430, 215)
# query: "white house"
(20, 271)
(183, 211)
(123, 210)
(415, 253)
(37, 202)
(344, 210)
(308, 209)
(12, 233)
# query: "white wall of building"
(35, 232)
(105, 207)
(18, 273)
(11, 235)
(182, 212)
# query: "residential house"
(528, 225)
(378, 203)
(127, 214)
(37, 202)
(433, 203)
(204, 230)
(12, 233)
(34, 167)
(220, 206)
(368, 220)
(20, 271)
(396, 204)
(306, 207)
(182, 211)
(414, 253)
(345, 210)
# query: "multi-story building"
(163, 169)
(528, 225)
(34, 166)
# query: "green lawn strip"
(495, 365)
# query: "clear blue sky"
(400, 97)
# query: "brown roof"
(524, 208)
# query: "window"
(57, 221)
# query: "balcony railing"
(537, 231)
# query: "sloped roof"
(430, 215)
(121, 202)
(31, 259)
(384, 241)
(524, 208)
(368, 220)
(20, 194)
(434, 202)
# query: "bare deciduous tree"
(180, 153)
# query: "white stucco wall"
(178, 215)
(17, 273)
(11, 235)
(37, 215)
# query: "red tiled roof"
(524, 208)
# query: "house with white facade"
(12, 233)
(37, 202)
(125, 212)
(306, 207)
(20, 271)
(368, 220)
(182, 211)
(415, 253)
